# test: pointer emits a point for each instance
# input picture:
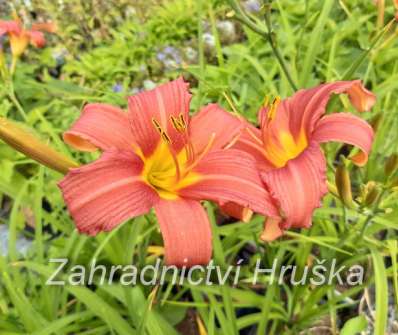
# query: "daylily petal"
(212, 119)
(347, 128)
(236, 211)
(251, 141)
(100, 126)
(158, 105)
(299, 187)
(48, 27)
(37, 38)
(230, 175)
(186, 232)
(307, 106)
(9, 27)
(272, 229)
(105, 193)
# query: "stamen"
(189, 151)
(176, 163)
(231, 104)
(233, 141)
(157, 125)
(179, 123)
(254, 136)
(266, 101)
(202, 154)
(273, 108)
(166, 138)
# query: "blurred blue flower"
(252, 6)
(59, 56)
(117, 88)
(227, 31)
(160, 56)
(169, 50)
(209, 40)
(170, 57)
(22, 244)
(191, 54)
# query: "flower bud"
(394, 183)
(370, 193)
(18, 44)
(30, 145)
(376, 121)
(343, 184)
(391, 165)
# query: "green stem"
(266, 34)
(14, 99)
(13, 65)
(7, 78)
(274, 47)
(372, 214)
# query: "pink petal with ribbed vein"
(231, 175)
(299, 186)
(210, 120)
(186, 232)
(166, 100)
(347, 128)
(100, 126)
(307, 106)
(105, 193)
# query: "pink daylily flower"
(287, 149)
(157, 156)
(21, 37)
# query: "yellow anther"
(273, 108)
(161, 131)
(157, 125)
(266, 101)
(179, 123)
(165, 137)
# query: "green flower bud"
(343, 184)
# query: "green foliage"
(104, 43)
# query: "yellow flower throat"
(281, 146)
(168, 171)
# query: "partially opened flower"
(21, 37)
(287, 148)
(156, 155)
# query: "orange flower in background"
(288, 153)
(157, 156)
(21, 37)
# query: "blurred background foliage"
(106, 50)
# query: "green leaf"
(354, 326)
(381, 293)
(315, 41)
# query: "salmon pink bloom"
(21, 37)
(287, 148)
(156, 155)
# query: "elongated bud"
(332, 188)
(30, 145)
(394, 183)
(391, 165)
(371, 193)
(343, 184)
(376, 121)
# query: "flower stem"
(13, 65)
(14, 99)
(265, 33)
